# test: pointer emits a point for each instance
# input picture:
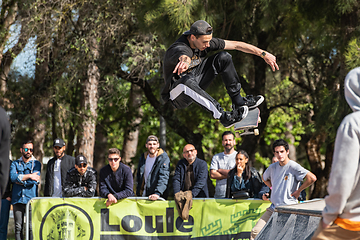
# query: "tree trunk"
(86, 133)
(291, 140)
(41, 97)
(11, 10)
(316, 164)
(39, 111)
(74, 119)
(133, 117)
(101, 147)
(162, 133)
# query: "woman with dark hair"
(243, 178)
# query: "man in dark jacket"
(57, 168)
(153, 171)
(4, 151)
(5, 210)
(80, 180)
(191, 174)
(116, 180)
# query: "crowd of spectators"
(68, 176)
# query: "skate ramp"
(293, 222)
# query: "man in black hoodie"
(57, 168)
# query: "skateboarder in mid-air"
(187, 72)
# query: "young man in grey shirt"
(284, 178)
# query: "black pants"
(191, 86)
(19, 212)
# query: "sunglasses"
(113, 159)
(82, 165)
(28, 149)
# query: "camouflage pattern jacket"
(75, 183)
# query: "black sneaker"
(253, 101)
(228, 119)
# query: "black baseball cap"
(199, 27)
(80, 159)
(58, 143)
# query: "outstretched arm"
(248, 48)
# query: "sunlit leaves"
(352, 54)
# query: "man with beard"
(56, 170)
(153, 171)
(25, 176)
(222, 163)
(116, 179)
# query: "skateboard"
(249, 124)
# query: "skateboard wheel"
(256, 132)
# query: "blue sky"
(25, 61)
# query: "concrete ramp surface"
(293, 222)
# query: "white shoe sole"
(260, 101)
(245, 113)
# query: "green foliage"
(278, 125)
(143, 56)
(346, 6)
(352, 55)
(286, 112)
(308, 38)
(263, 160)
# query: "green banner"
(89, 218)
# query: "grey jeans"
(19, 213)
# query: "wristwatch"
(263, 54)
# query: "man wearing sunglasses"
(116, 180)
(153, 171)
(80, 180)
(25, 176)
(56, 170)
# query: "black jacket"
(67, 162)
(8, 190)
(75, 184)
(256, 184)
(119, 183)
(4, 150)
(200, 189)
